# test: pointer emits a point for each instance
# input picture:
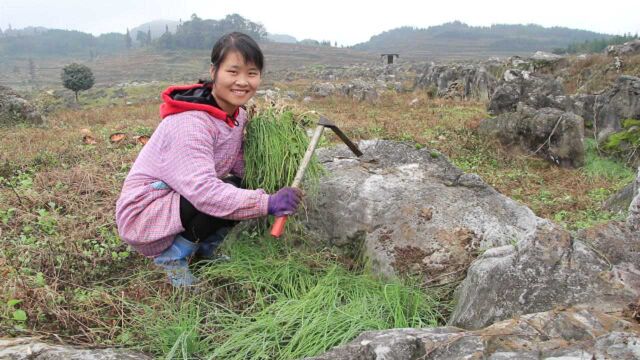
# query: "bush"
(77, 77)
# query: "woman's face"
(235, 82)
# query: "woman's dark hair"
(242, 43)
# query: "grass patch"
(598, 166)
(275, 302)
(276, 141)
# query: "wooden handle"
(278, 226)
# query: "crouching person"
(182, 195)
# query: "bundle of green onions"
(276, 140)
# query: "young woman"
(181, 196)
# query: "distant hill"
(157, 27)
(282, 38)
(457, 39)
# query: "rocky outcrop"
(469, 81)
(35, 349)
(536, 91)
(574, 333)
(411, 212)
(619, 102)
(629, 48)
(16, 110)
(551, 133)
(357, 89)
(550, 268)
(321, 89)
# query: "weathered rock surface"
(633, 219)
(621, 101)
(621, 200)
(34, 349)
(457, 81)
(357, 89)
(16, 110)
(629, 48)
(322, 89)
(550, 133)
(550, 268)
(570, 334)
(360, 90)
(536, 91)
(411, 211)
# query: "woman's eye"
(233, 72)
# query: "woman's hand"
(285, 201)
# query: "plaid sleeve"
(189, 168)
(238, 166)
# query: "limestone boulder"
(619, 102)
(470, 81)
(321, 89)
(551, 133)
(36, 349)
(359, 90)
(574, 333)
(16, 110)
(629, 48)
(516, 86)
(411, 211)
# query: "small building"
(390, 57)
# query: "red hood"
(172, 106)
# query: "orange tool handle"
(278, 226)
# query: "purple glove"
(284, 202)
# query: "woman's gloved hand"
(285, 201)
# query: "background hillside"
(459, 40)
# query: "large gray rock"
(537, 91)
(619, 102)
(550, 268)
(633, 219)
(35, 349)
(629, 48)
(551, 133)
(473, 81)
(572, 334)
(321, 89)
(411, 211)
(16, 110)
(359, 90)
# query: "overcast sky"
(347, 22)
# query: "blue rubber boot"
(175, 262)
(208, 247)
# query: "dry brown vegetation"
(596, 72)
(61, 256)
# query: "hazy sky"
(347, 22)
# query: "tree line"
(597, 45)
(196, 33)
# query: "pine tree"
(149, 36)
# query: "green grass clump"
(273, 302)
(598, 166)
(275, 143)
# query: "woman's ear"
(212, 72)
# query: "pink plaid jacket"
(189, 151)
